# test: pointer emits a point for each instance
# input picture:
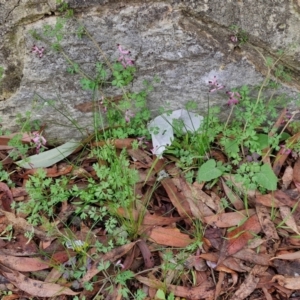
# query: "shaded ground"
(178, 237)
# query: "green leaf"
(208, 171)
(49, 158)
(263, 140)
(160, 295)
(231, 147)
(266, 178)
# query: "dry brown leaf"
(281, 157)
(210, 256)
(284, 198)
(4, 139)
(54, 275)
(219, 284)
(18, 192)
(6, 196)
(296, 173)
(239, 186)
(10, 297)
(288, 256)
(246, 288)
(141, 156)
(267, 294)
(177, 199)
(253, 257)
(291, 283)
(146, 176)
(53, 171)
(194, 261)
(204, 291)
(266, 223)
(234, 264)
(36, 288)
(197, 207)
(230, 219)
(22, 225)
(288, 218)
(268, 200)
(228, 269)
(149, 263)
(234, 198)
(148, 220)
(287, 177)
(92, 106)
(31, 264)
(198, 194)
(169, 237)
(239, 237)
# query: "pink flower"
(39, 140)
(124, 57)
(234, 38)
(142, 141)
(39, 51)
(128, 115)
(215, 85)
(122, 51)
(232, 100)
(119, 264)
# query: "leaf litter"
(186, 242)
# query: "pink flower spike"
(119, 264)
(38, 51)
(234, 38)
(232, 101)
(128, 115)
(124, 57)
(129, 61)
(39, 141)
(232, 94)
(214, 81)
(215, 85)
(142, 141)
(122, 51)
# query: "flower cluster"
(233, 98)
(39, 51)
(128, 115)
(215, 85)
(234, 38)
(39, 141)
(124, 57)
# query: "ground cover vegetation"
(215, 217)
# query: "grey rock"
(184, 42)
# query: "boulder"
(184, 42)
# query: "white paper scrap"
(161, 128)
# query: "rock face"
(184, 42)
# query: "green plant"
(7, 233)
(44, 194)
(241, 139)
(240, 36)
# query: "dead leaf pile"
(185, 242)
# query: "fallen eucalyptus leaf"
(49, 158)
